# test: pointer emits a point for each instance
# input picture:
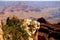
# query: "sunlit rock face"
(31, 27)
(1, 32)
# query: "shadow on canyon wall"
(48, 31)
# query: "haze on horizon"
(50, 10)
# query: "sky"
(29, 0)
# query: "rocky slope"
(48, 31)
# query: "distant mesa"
(1, 12)
(22, 7)
(11, 10)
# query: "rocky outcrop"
(49, 32)
(1, 32)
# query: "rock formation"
(1, 31)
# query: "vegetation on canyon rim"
(16, 29)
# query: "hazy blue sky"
(29, 0)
